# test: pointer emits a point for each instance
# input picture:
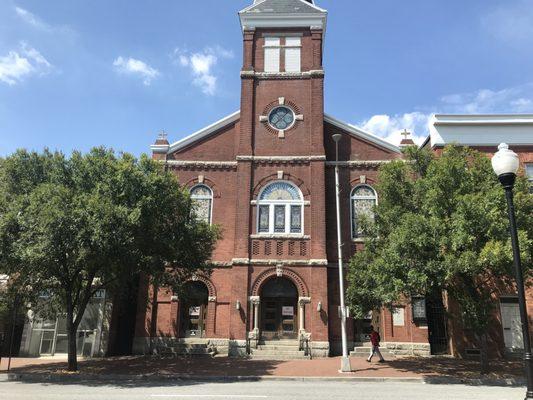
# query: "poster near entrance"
(287, 311)
(512, 328)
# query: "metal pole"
(528, 360)
(345, 362)
(13, 322)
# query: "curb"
(145, 379)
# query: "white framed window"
(293, 56)
(272, 54)
(529, 174)
(292, 50)
(202, 197)
(362, 201)
(280, 209)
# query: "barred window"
(363, 200)
(280, 209)
(202, 197)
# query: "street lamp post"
(505, 164)
(345, 361)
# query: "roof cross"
(406, 133)
(162, 135)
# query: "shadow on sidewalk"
(456, 368)
(148, 371)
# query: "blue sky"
(77, 74)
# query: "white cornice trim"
(480, 130)
(482, 119)
(193, 163)
(273, 20)
(281, 158)
(358, 163)
(359, 133)
(201, 134)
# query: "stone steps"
(363, 351)
(186, 348)
(278, 350)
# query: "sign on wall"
(194, 311)
(398, 316)
(287, 311)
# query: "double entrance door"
(279, 318)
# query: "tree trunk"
(484, 357)
(71, 337)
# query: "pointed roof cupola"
(283, 14)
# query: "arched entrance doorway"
(279, 305)
(194, 309)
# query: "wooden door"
(279, 318)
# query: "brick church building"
(265, 175)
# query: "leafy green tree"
(441, 225)
(70, 226)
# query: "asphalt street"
(254, 390)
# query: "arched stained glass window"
(202, 197)
(363, 199)
(280, 191)
(280, 209)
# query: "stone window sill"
(280, 236)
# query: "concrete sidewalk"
(427, 370)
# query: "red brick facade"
(237, 161)
(237, 158)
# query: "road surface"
(253, 391)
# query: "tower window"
(290, 47)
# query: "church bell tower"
(282, 78)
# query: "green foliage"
(441, 224)
(70, 226)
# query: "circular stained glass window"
(281, 118)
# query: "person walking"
(375, 339)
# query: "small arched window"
(363, 199)
(202, 197)
(280, 209)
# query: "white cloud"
(511, 22)
(201, 64)
(31, 19)
(391, 127)
(132, 66)
(21, 63)
(517, 99)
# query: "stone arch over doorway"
(195, 317)
(281, 313)
(207, 282)
(279, 272)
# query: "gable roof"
(198, 135)
(283, 7)
(361, 134)
(232, 118)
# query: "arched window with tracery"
(363, 199)
(280, 209)
(202, 197)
